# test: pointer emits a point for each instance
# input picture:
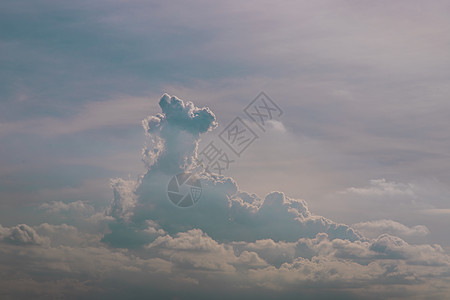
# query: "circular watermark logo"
(184, 189)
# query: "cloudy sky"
(344, 191)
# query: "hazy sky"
(346, 193)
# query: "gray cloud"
(194, 263)
(22, 235)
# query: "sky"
(341, 190)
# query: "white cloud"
(382, 187)
(175, 133)
(277, 126)
(373, 229)
(395, 248)
(124, 198)
(224, 212)
(194, 250)
(230, 238)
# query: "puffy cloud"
(282, 218)
(87, 271)
(223, 212)
(186, 116)
(67, 235)
(230, 243)
(124, 198)
(47, 235)
(194, 250)
(194, 263)
(396, 248)
(22, 235)
(174, 134)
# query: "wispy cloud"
(91, 116)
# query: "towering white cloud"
(175, 133)
(224, 212)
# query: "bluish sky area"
(358, 160)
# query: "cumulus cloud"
(67, 235)
(224, 212)
(174, 133)
(22, 235)
(194, 250)
(275, 238)
(230, 243)
(282, 218)
(194, 263)
(124, 198)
